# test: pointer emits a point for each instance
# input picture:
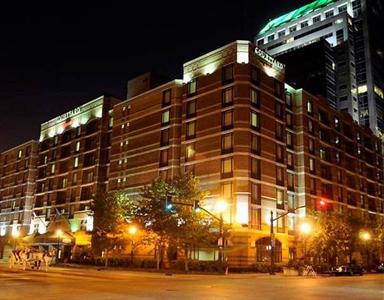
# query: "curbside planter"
(289, 271)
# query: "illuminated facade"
(18, 169)
(354, 30)
(73, 164)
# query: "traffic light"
(196, 205)
(168, 203)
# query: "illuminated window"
(191, 130)
(190, 151)
(279, 153)
(289, 120)
(227, 143)
(291, 201)
(227, 97)
(56, 140)
(227, 166)
(289, 140)
(255, 120)
(110, 122)
(288, 100)
(191, 108)
(280, 223)
(53, 167)
(279, 198)
(323, 154)
(77, 148)
(76, 162)
(311, 165)
(165, 117)
(310, 126)
(254, 97)
(227, 119)
(74, 178)
(290, 162)
(19, 154)
(166, 97)
(227, 190)
(192, 87)
(65, 182)
(310, 107)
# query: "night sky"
(54, 58)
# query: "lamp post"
(365, 236)
(305, 229)
(132, 231)
(272, 236)
(59, 234)
(221, 206)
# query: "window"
(279, 198)
(292, 29)
(323, 154)
(227, 190)
(291, 181)
(271, 37)
(304, 24)
(255, 168)
(281, 33)
(279, 89)
(191, 130)
(77, 148)
(255, 216)
(279, 153)
(312, 186)
(227, 167)
(279, 176)
(329, 14)
(337, 123)
(19, 154)
(227, 97)
(65, 182)
(192, 87)
(227, 75)
(310, 107)
(255, 144)
(53, 168)
(164, 137)
(256, 193)
(289, 120)
(227, 143)
(291, 201)
(288, 100)
(281, 223)
(255, 97)
(227, 119)
(279, 131)
(310, 126)
(55, 140)
(191, 108)
(278, 109)
(289, 140)
(190, 151)
(165, 117)
(255, 75)
(316, 19)
(260, 42)
(290, 161)
(255, 120)
(76, 162)
(311, 165)
(166, 98)
(163, 158)
(74, 178)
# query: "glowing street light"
(305, 228)
(365, 236)
(221, 205)
(132, 231)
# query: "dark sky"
(54, 58)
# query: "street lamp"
(305, 229)
(59, 234)
(132, 231)
(15, 235)
(365, 236)
(221, 205)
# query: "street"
(89, 283)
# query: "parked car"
(380, 268)
(348, 270)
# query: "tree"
(178, 225)
(108, 213)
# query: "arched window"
(263, 250)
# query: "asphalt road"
(72, 284)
